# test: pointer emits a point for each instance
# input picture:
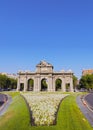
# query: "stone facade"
(88, 71)
(44, 70)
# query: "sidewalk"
(83, 107)
(5, 106)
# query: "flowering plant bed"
(44, 107)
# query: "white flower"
(43, 106)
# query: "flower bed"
(44, 107)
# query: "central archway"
(67, 87)
(58, 84)
(44, 85)
(30, 85)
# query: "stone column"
(18, 83)
(50, 84)
(25, 83)
(53, 84)
(71, 85)
(63, 85)
(37, 84)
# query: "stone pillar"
(18, 83)
(37, 84)
(50, 84)
(63, 85)
(25, 83)
(53, 85)
(71, 84)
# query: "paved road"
(89, 99)
(83, 107)
(3, 99)
(5, 105)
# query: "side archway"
(58, 84)
(21, 86)
(44, 85)
(30, 85)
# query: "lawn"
(69, 116)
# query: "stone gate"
(44, 71)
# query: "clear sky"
(58, 31)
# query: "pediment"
(44, 63)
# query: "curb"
(86, 103)
(4, 102)
(82, 104)
(4, 107)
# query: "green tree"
(86, 82)
(75, 80)
(6, 82)
(90, 80)
(3, 79)
(13, 83)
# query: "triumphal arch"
(45, 78)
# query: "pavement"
(89, 100)
(85, 109)
(3, 98)
(5, 105)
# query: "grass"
(17, 117)
(69, 116)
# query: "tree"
(86, 82)
(3, 79)
(6, 82)
(75, 80)
(13, 83)
(90, 80)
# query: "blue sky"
(58, 31)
